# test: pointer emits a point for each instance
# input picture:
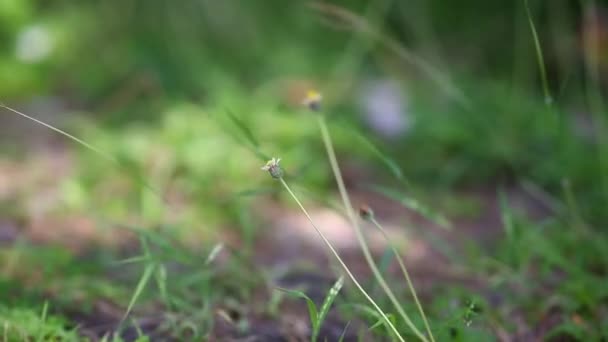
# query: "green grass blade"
(333, 161)
(387, 161)
(64, 133)
(138, 179)
(413, 204)
(253, 192)
(539, 55)
(133, 260)
(243, 128)
(344, 332)
(379, 321)
(312, 308)
(385, 261)
(45, 311)
(161, 283)
(406, 276)
(246, 134)
(506, 216)
(43, 317)
(164, 245)
(369, 311)
(331, 296)
(141, 285)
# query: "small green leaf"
(312, 308)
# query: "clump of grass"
(272, 166)
(27, 324)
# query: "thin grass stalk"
(539, 55)
(346, 269)
(361, 239)
(406, 276)
(88, 146)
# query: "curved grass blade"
(139, 179)
(133, 260)
(387, 161)
(64, 133)
(312, 307)
(371, 312)
(379, 321)
(412, 204)
(247, 134)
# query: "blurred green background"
(191, 96)
(452, 91)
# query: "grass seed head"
(273, 167)
(366, 212)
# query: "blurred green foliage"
(191, 97)
(20, 324)
(141, 60)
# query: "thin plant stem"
(346, 269)
(543, 71)
(351, 215)
(64, 133)
(405, 274)
(362, 26)
(90, 147)
(539, 55)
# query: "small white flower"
(272, 166)
(271, 163)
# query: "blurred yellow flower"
(313, 100)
